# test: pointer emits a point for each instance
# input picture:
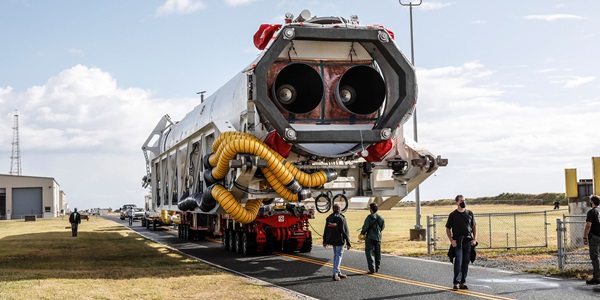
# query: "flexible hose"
(251, 147)
(238, 212)
(308, 180)
(278, 186)
(224, 139)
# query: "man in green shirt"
(374, 224)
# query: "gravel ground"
(509, 263)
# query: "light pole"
(418, 226)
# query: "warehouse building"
(22, 196)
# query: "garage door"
(26, 201)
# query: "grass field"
(40, 260)
(399, 221)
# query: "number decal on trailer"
(281, 219)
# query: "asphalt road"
(399, 277)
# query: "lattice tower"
(15, 158)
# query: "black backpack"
(333, 233)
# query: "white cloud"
(83, 108)
(4, 92)
(576, 81)
(571, 81)
(238, 2)
(82, 129)
(430, 5)
(483, 131)
(179, 7)
(556, 17)
(548, 70)
(77, 52)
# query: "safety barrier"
(495, 230)
(571, 250)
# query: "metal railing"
(495, 230)
(571, 250)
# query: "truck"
(315, 120)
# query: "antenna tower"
(15, 158)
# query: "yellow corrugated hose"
(251, 147)
(238, 212)
(308, 180)
(278, 186)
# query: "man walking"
(130, 213)
(591, 237)
(374, 224)
(336, 235)
(74, 219)
(461, 230)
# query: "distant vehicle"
(124, 210)
(138, 213)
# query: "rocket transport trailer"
(316, 119)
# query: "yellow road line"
(388, 277)
(396, 279)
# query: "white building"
(22, 196)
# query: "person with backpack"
(336, 235)
(591, 237)
(374, 224)
(75, 220)
(461, 230)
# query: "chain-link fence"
(571, 250)
(495, 230)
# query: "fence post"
(515, 223)
(560, 243)
(428, 235)
(546, 226)
(490, 228)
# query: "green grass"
(40, 260)
(399, 221)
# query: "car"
(138, 213)
(124, 210)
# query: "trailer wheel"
(143, 222)
(306, 246)
(248, 244)
(154, 225)
(225, 240)
(231, 240)
(289, 246)
(238, 242)
(147, 224)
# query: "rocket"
(316, 118)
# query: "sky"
(509, 91)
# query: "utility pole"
(418, 231)
(15, 158)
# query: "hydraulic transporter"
(316, 119)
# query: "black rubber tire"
(225, 240)
(231, 240)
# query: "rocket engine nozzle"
(361, 90)
(298, 88)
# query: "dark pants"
(74, 228)
(594, 243)
(130, 221)
(462, 256)
(373, 250)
